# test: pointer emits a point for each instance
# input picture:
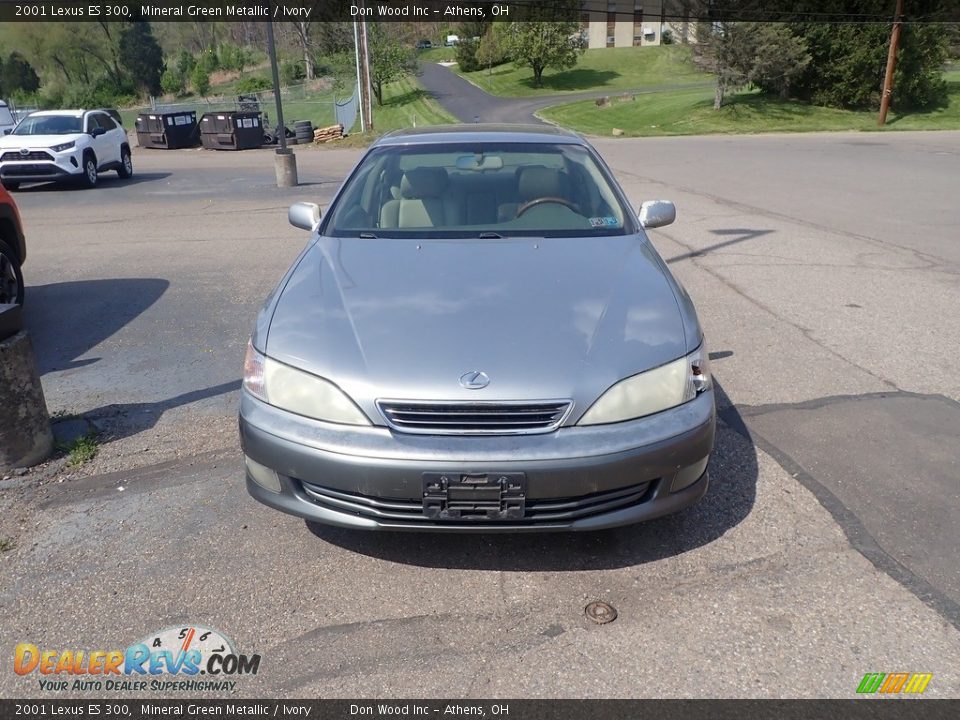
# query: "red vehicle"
(13, 251)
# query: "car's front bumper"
(577, 478)
(61, 166)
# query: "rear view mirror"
(657, 213)
(304, 215)
(479, 162)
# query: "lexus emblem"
(474, 380)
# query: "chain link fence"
(300, 102)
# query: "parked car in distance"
(424, 45)
(452, 40)
(479, 337)
(72, 145)
(7, 120)
(13, 251)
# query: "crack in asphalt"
(859, 537)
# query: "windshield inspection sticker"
(604, 222)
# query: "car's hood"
(36, 141)
(544, 319)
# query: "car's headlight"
(64, 146)
(296, 391)
(652, 391)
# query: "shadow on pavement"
(66, 320)
(120, 420)
(105, 181)
(739, 235)
(733, 477)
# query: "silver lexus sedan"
(479, 336)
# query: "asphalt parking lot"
(825, 269)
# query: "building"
(632, 23)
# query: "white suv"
(64, 145)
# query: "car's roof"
(481, 132)
(61, 113)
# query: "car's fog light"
(263, 476)
(689, 475)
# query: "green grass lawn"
(603, 69)
(690, 112)
(437, 54)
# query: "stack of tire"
(303, 133)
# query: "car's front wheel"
(11, 185)
(11, 279)
(89, 177)
(126, 164)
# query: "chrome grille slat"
(474, 418)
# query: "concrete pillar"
(286, 165)
(25, 436)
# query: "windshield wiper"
(367, 236)
(490, 235)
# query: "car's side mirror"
(97, 132)
(7, 131)
(304, 215)
(657, 213)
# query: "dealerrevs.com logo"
(189, 659)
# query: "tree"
(389, 59)
(539, 45)
(173, 81)
(16, 74)
(489, 53)
(200, 79)
(848, 60)
(141, 57)
(724, 49)
(779, 58)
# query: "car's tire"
(126, 164)
(11, 185)
(89, 177)
(11, 279)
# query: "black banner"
(857, 709)
(453, 12)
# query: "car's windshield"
(49, 125)
(474, 189)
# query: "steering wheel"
(550, 199)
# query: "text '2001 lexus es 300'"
(479, 336)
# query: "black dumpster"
(167, 131)
(230, 130)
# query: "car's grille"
(32, 155)
(545, 511)
(30, 170)
(494, 418)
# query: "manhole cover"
(600, 612)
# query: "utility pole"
(891, 64)
(285, 162)
(365, 91)
(356, 49)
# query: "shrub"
(173, 82)
(200, 79)
(291, 72)
(467, 55)
(252, 84)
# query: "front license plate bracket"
(474, 497)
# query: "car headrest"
(537, 181)
(423, 183)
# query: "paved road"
(825, 549)
(468, 103)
